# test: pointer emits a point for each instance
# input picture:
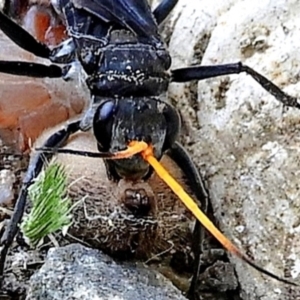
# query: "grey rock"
(220, 276)
(244, 141)
(77, 272)
(7, 178)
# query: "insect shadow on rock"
(126, 64)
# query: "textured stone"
(245, 142)
(7, 179)
(77, 272)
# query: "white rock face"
(7, 178)
(245, 142)
(77, 272)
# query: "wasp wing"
(134, 15)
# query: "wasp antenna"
(134, 147)
(76, 152)
(203, 219)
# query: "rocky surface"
(244, 141)
(77, 272)
(36, 109)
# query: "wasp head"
(120, 121)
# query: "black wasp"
(127, 69)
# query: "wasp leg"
(62, 53)
(35, 166)
(22, 38)
(15, 8)
(184, 161)
(31, 69)
(204, 72)
(163, 10)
